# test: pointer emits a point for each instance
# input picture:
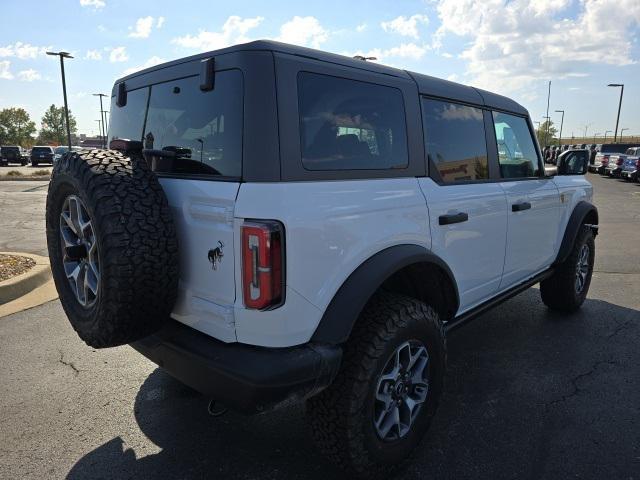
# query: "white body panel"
(532, 235)
(331, 228)
(203, 215)
(474, 250)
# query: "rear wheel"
(567, 289)
(381, 404)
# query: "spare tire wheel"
(112, 246)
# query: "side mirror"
(573, 162)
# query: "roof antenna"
(364, 59)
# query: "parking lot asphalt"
(529, 394)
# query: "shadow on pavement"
(530, 394)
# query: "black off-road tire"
(137, 246)
(559, 291)
(341, 417)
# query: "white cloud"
(407, 27)
(22, 50)
(405, 50)
(143, 27)
(149, 63)
(93, 55)
(304, 31)
(509, 51)
(93, 3)
(233, 31)
(361, 28)
(118, 54)
(5, 73)
(446, 55)
(29, 75)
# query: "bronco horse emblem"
(216, 254)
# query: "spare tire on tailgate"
(112, 246)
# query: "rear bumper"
(629, 174)
(242, 377)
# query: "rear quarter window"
(350, 125)
(127, 122)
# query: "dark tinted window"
(455, 141)
(127, 122)
(203, 129)
(516, 151)
(41, 150)
(350, 125)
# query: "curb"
(24, 283)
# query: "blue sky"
(512, 47)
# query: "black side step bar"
(504, 296)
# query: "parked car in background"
(12, 154)
(41, 154)
(601, 160)
(631, 164)
(61, 150)
(616, 161)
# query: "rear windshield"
(9, 149)
(41, 150)
(201, 131)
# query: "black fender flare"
(347, 304)
(577, 219)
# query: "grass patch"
(14, 173)
(40, 173)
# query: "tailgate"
(203, 214)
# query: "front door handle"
(453, 218)
(518, 207)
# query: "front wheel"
(566, 290)
(383, 399)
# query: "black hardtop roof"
(427, 85)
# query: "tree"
(53, 128)
(16, 128)
(546, 137)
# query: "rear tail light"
(620, 161)
(262, 264)
(605, 159)
(638, 163)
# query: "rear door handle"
(453, 218)
(518, 207)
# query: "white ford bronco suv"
(273, 224)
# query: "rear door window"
(127, 122)
(516, 151)
(203, 129)
(350, 125)
(455, 141)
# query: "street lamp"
(622, 131)
(546, 130)
(615, 138)
(103, 131)
(561, 123)
(605, 136)
(62, 56)
(100, 129)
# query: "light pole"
(546, 130)
(103, 131)
(561, 123)
(100, 130)
(622, 131)
(62, 56)
(621, 85)
(546, 135)
(605, 136)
